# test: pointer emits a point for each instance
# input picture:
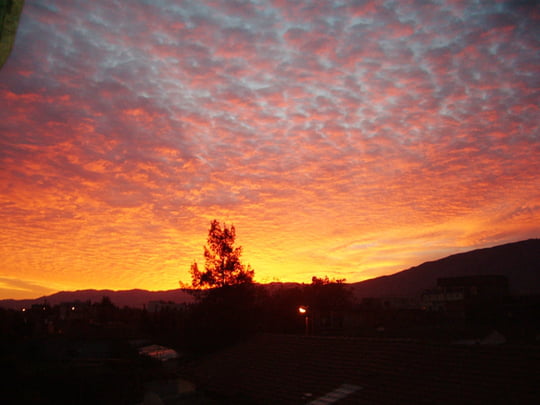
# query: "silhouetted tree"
(106, 310)
(222, 260)
(228, 301)
(325, 280)
(328, 294)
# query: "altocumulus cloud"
(126, 126)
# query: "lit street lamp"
(304, 310)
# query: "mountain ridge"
(518, 261)
(132, 298)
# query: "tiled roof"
(288, 369)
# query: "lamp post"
(304, 310)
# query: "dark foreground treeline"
(221, 316)
(217, 317)
(82, 352)
(86, 353)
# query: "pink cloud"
(363, 9)
(125, 129)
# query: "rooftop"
(289, 369)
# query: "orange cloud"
(348, 141)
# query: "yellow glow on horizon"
(136, 259)
(112, 172)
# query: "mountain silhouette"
(519, 262)
(131, 298)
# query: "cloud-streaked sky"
(342, 138)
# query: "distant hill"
(131, 298)
(519, 262)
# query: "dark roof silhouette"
(288, 369)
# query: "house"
(459, 297)
(482, 286)
(157, 306)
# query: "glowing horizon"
(348, 139)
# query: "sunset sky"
(344, 138)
